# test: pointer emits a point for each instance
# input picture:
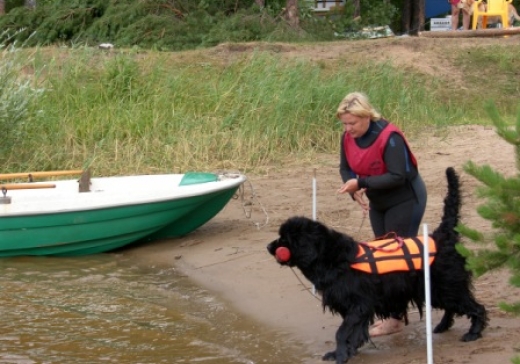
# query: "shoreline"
(248, 279)
(228, 256)
(250, 282)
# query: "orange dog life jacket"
(393, 255)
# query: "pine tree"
(502, 208)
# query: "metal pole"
(314, 212)
(314, 195)
(428, 308)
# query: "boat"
(74, 217)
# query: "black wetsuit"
(397, 197)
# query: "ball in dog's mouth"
(282, 254)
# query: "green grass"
(133, 112)
(492, 73)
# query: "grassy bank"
(125, 112)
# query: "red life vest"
(393, 255)
(370, 161)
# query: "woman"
(456, 7)
(376, 160)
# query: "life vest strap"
(376, 256)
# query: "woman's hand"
(350, 186)
(360, 199)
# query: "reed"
(151, 112)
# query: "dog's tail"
(446, 232)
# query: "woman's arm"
(344, 168)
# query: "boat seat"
(84, 180)
(490, 8)
(30, 176)
(25, 186)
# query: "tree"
(28, 3)
(291, 13)
(502, 209)
(357, 8)
(413, 16)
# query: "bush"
(17, 96)
(177, 24)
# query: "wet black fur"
(324, 256)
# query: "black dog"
(327, 259)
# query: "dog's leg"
(479, 321)
(351, 335)
(446, 322)
(474, 310)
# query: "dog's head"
(301, 242)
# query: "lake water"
(107, 309)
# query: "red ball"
(283, 254)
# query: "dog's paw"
(330, 356)
(469, 336)
(444, 325)
(439, 329)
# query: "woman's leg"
(378, 221)
(386, 327)
(454, 17)
(466, 19)
(403, 219)
(419, 206)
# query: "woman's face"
(356, 126)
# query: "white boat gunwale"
(109, 192)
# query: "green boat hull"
(91, 231)
(195, 218)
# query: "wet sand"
(228, 255)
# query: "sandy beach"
(228, 255)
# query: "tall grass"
(132, 112)
(17, 92)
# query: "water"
(107, 309)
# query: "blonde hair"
(357, 104)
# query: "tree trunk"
(418, 17)
(406, 15)
(357, 8)
(479, 33)
(413, 16)
(2, 7)
(260, 3)
(291, 13)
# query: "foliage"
(372, 14)
(9, 5)
(502, 66)
(502, 208)
(178, 24)
(48, 24)
(131, 111)
(17, 95)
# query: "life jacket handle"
(384, 248)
